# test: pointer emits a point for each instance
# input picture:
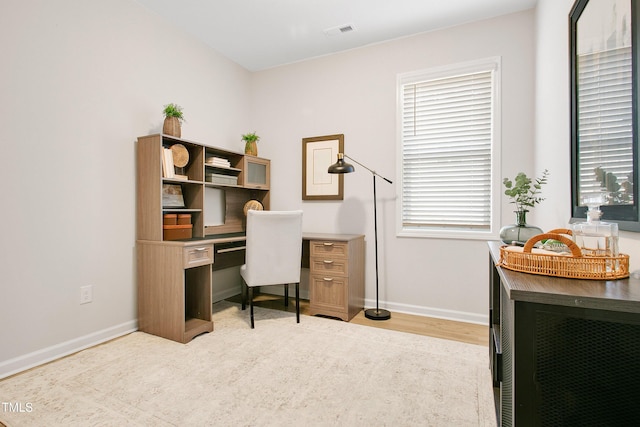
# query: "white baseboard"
(438, 313)
(224, 294)
(458, 316)
(45, 355)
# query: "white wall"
(552, 119)
(80, 81)
(355, 93)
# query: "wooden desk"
(174, 279)
(563, 351)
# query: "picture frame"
(318, 153)
(172, 196)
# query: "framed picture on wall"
(318, 153)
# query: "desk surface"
(238, 237)
(330, 236)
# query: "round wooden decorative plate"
(252, 205)
(180, 155)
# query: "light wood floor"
(421, 325)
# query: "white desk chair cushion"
(274, 248)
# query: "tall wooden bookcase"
(174, 276)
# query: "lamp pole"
(341, 167)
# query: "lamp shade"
(341, 166)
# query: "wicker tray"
(572, 265)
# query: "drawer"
(195, 256)
(328, 248)
(334, 266)
(328, 292)
(229, 254)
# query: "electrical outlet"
(86, 294)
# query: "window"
(448, 121)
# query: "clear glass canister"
(595, 237)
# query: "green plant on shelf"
(174, 110)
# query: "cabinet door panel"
(256, 173)
(329, 292)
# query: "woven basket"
(572, 265)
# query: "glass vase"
(519, 232)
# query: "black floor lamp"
(341, 167)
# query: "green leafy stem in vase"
(524, 191)
(250, 137)
(173, 110)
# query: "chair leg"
(244, 288)
(297, 302)
(286, 295)
(251, 304)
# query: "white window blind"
(605, 114)
(447, 133)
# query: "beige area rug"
(321, 372)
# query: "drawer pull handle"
(327, 279)
(200, 249)
(237, 248)
(328, 261)
(328, 244)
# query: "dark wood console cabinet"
(564, 352)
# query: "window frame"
(627, 216)
(494, 65)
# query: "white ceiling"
(260, 34)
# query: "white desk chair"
(273, 254)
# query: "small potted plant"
(524, 193)
(250, 143)
(173, 118)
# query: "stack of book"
(217, 178)
(218, 162)
(168, 168)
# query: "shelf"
(181, 210)
(193, 323)
(239, 187)
(194, 327)
(223, 169)
(180, 181)
(216, 185)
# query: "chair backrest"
(274, 247)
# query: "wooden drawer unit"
(336, 275)
(195, 256)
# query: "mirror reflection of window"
(605, 101)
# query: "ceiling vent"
(340, 29)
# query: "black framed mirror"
(603, 52)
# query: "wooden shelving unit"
(174, 276)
